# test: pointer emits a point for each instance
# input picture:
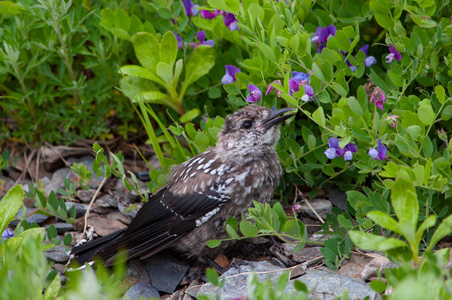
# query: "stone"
(329, 285)
(60, 268)
(58, 180)
(85, 195)
(378, 263)
(80, 208)
(323, 284)
(107, 201)
(103, 226)
(34, 218)
(166, 272)
(116, 215)
(337, 197)
(305, 254)
(321, 207)
(134, 270)
(319, 237)
(141, 290)
(61, 227)
(57, 254)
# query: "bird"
(203, 192)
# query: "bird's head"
(252, 129)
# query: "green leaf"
(440, 93)
(53, 289)
(378, 285)
(426, 114)
(231, 232)
(441, 163)
(267, 51)
(369, 241)
(292, 228)
(51, 232)
(190, 115)
(404, 201)
(427, 146)
(213, 243)
(147, 50)
(140, 72)
(168, 49)
(355, 106)
(317, 72)
(165, 72)
(121, 33)
(121, 19)
(10, 205)
(229, 5)
(319, 116)
(248, 229)
(444, 229)
(384, 220)
(327, 71)
(212, 276)
(198, 65)
(346, 223)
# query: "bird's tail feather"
(86, 252)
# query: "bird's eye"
(247, 125)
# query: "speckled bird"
(203, 192)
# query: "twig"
(313, 210)
(91, 203)
(59, 155)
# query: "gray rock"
(57, 254)
(166, 272)
(58, 180)
(328, 285)
(80, 208)
(61, 227)
(116, 215)
(237, 285)
(324, 284)
(34, 218)
(85, 195)
(107, 201)
(305, 254)
(141, 290)
(321, 207)
(337, 197)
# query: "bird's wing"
(167, 217)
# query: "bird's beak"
(276, 117)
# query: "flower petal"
(330, 153)
(348, 155)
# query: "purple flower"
(379, 153)
(335, 151)
(322, 35)
(229, 77)
(393, 55)
(271, 88)
(255, 94)
(7, 234)
(209, 15)
(190, 8)
(369, 61)
(378, 97)
(230, 20)
(300, 78)
(201, 36)
(179, 40)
